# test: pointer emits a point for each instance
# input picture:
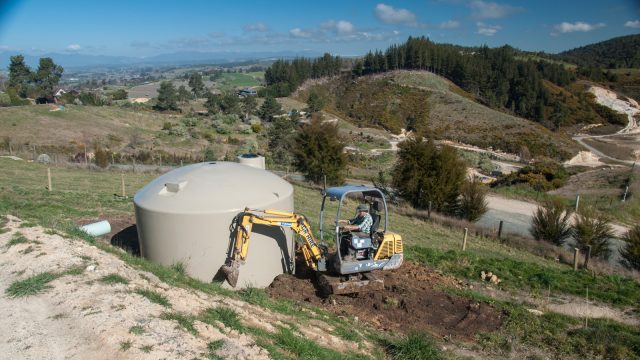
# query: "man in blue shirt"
(362, 222)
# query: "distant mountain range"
(74, 60)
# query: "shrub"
(595, 230)
(424, 173)
(551, 222)
(473, 202)
(631, 251)
(102, 157)
(167, 126)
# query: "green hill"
(422, 101)
(619, 52)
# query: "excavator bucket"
(231, 272)
(330, 285)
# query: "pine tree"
(319, 152)
(270, 107)
(167, 97)
(20, 76)
(424, 173)
(197, 85)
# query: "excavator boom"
(313, 254)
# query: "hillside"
(619, 52)
(124, 131)
(426, 102)
(136, 309)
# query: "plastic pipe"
(97, 229)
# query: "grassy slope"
(80, 193)
(454, 115)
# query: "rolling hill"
(429, 103)
(619, 52)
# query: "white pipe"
(97, 229)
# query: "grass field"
(82, 194)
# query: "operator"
(362, 222)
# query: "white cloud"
(255, 27)
(342, 27)
(487, 30)
(633, 24)
(450, 24)
(566, 27)
(490, 10)
(74, 47)
(387, 14)
(299, 33)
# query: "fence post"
(429, 211)
(587, 256)
(181, 165)
(124, 193)
(577, 202)
(464, 239)
(49, 179)
(575, 258)
(500, 229)
(134, 164)
(624, 197)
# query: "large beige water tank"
(185, 216)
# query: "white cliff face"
(628, 106)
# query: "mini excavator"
(350, 269)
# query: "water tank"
(185, 216)
(252, 160)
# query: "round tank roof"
(212, 187)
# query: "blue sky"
(345, 27)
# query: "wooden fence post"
(577, 203)
(49, 179)
(429, 211)
(500, 229)
(587, 256)
(575, 258)
(124, 193)
(464, 239)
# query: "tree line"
(26, 83)
(500, 77)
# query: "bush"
(595, 230)
(5, 99)
(473, 202)
(542, 176)
(102, 157)
(631, 251)
(551, 222)
(120, 94)
(167, 126)
(424, 173)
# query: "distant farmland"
(227, 82)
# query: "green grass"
(212, 347)
(154, 297)
(240, 79)
(414, 346)
(136, 330)
(114, 279)
(146, 348)
(32, 285)
(17, 238)
(518, 275)
(125, 345)
(225, 315)
(38, 283)
(184, 320)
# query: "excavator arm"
(312, 252)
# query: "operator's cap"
(363, 207)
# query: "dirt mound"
(410, 301)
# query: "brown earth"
(410, 301)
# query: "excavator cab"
(357, 252)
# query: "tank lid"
(212, 187)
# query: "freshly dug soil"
(410, 301)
